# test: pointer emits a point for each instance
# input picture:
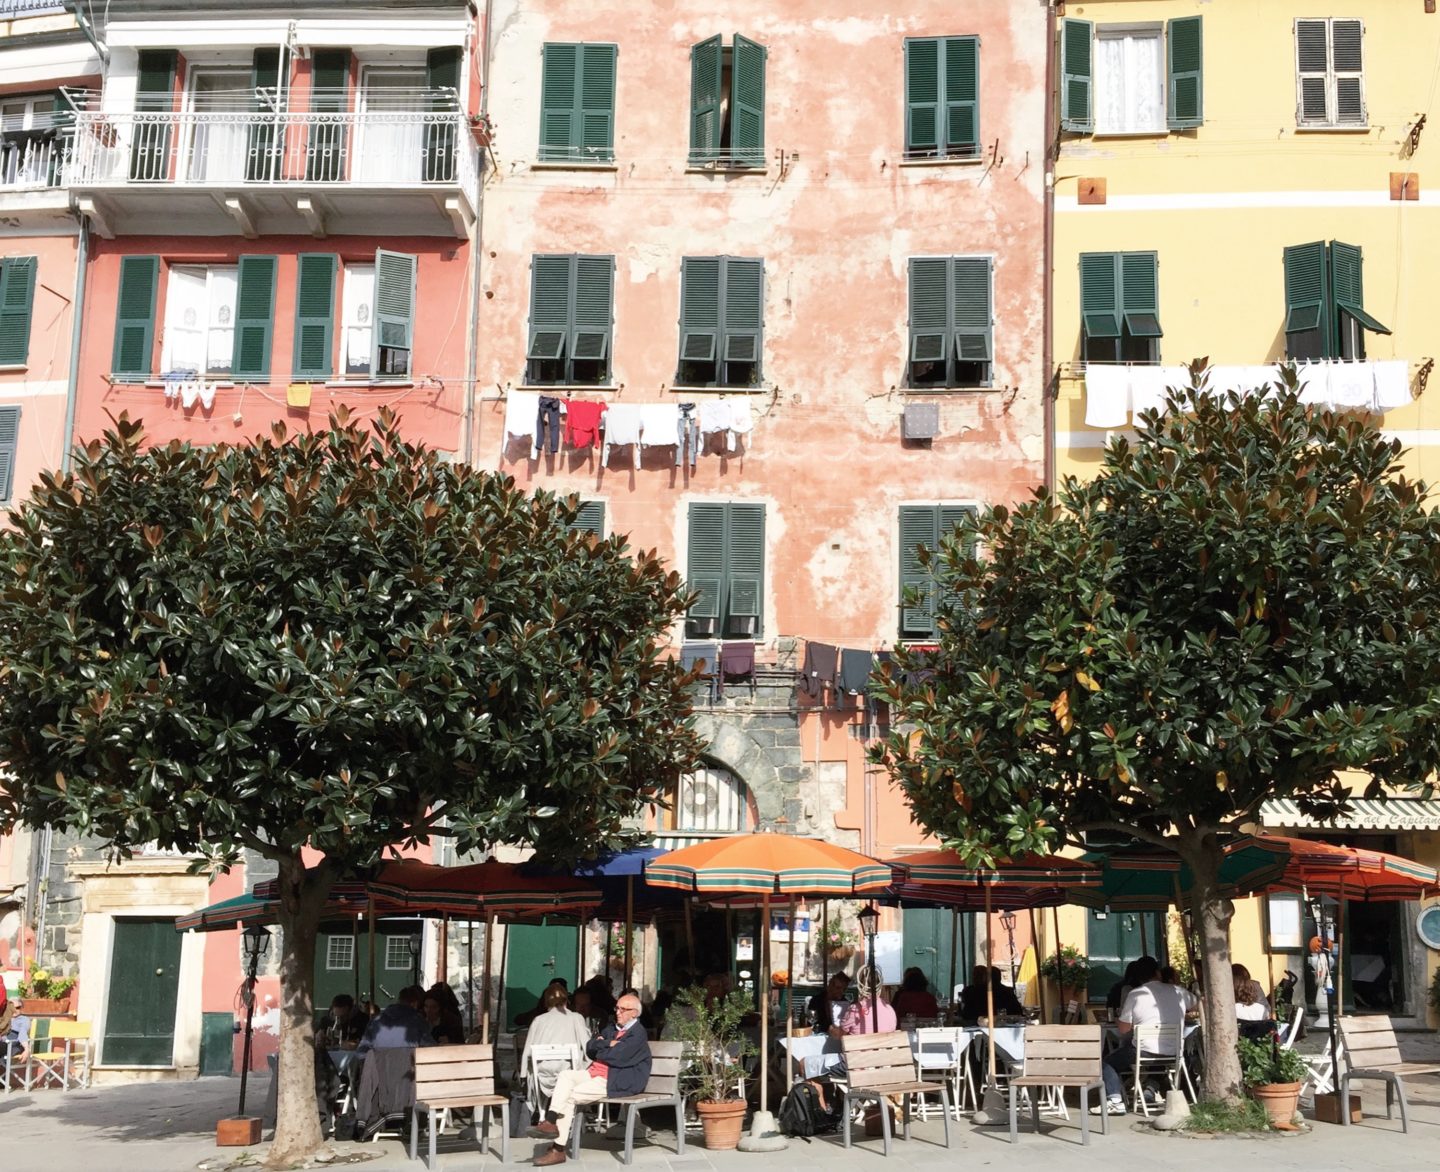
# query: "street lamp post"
(869, 920)
(414, 943)
(256, 941)
(1007, 921)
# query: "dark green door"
(342, 960)
(535, 956)
(928, 939)
(144, 980)
(1114, 939)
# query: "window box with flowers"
(44, 995)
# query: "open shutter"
(9, 441)
(950, 517)
(559, 93)
(929, 309)
(549, 307)
(747, 102)
(1347, 283)
(705, 564)
(314, 315)
(922, 96)
(1077, 106)
(970, 301)
(744, 308)
(746, 566)
(1307, 285)
(699, 308)
(442, 73)
(1347, 58)
(254, 317)
(154, 95)
(1312, 72)
(262, 158)
(394, 314)
(705, 71)
(962, 96)
(1184, 65)
(597, 103)
(594, 292)
(135, 317)
(918, 526)
(330, 79)
(589, 518)
(1140, 293)
(442, 68)
(17, 294)
(1100, 294)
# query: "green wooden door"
(144, 982)
(1114, 939)
(535, 955)
(928, 939)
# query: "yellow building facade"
(1247, 183)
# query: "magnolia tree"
(1242, 604)
(337, 642)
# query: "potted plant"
(715, 1052)
(44, 995)
(1272, 1077)
(838, 942)
(1070, 971)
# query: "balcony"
(410, 171)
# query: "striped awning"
(1365, 814)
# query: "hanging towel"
(1107, 395)
(1314, 383)
(1392, 385)
(742, 421)
(521, 408)
(1352, 386)
(622, 427)
(582, 423)
(1148, 385)
(659, 424)
(819, 669)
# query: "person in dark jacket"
(619, 1066)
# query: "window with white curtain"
(1129, 80)
(199, 320)
(357, 312)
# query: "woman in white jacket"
(557, 1026)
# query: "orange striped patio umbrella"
(1351, 873)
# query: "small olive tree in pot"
(715, 1051)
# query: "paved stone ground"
(169, 1127)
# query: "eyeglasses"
(627, 1009)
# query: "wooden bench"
(1371, 1052)
(1060, 1056)
(880, 1065)
(457, 1077)
(662, 1090)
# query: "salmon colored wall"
(430, 410)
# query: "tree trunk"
(1213, 913)
(297, 1119)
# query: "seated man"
(344, 1026)
(620, 1066)
(1152, 1002)
(822, 1006)
(14, 1033)
(400, 1025)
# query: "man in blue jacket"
(620, 1066)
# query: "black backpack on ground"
(802, 1115)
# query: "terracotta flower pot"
(1279, 1100)
(45, 1006)
(841, 953)
(722, 1123)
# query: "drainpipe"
(77, 314)
(472, 326)
(1052, 156)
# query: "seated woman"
(1250, 1003)
(915, 998)
(557, 1026)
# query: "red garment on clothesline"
(582, 423)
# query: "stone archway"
(729, 745)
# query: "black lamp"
(414, 943)
(1007, 921)
(256, 942)
(869, 920)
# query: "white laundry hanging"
(1107, 395)
(521, 408)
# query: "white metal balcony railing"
(11, 9)
(31, 163)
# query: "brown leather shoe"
(552, 1155)
(544, 1130)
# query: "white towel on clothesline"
(659, 424)
(1107, 395)
(1352, 386)
(1392, 385)
(521, 409)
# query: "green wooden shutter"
(699, 308)
(597, 103)
(1140, 293)
(705, 73)
(589, 518)
(705, 562)
(442, 72)
(744, 308)
(970, 302)
(135, 317)
(962, 96)
(594, 296)
(559, 93)
(9, 442)
(314, 314)
(442, 68)
(549, 306)
(1347, 284)
(254, 317)
(919, 525)
(950, 517)
(154, 94)
(922, 96)
(330, 79)
(1077, 106)
(1307, 286)
(929, 309)
(394, 311)
(17, 295)
(262, 159)
(745, 590)
(1185, 87)
(747, 102)
(1100, 294)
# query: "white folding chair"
(537, 1055)
(1151, 1059)
(940, 1055)
(1292, 1028)
(17, 1069)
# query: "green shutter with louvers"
(154, 94)
(970, 301)
(952, 516)
(135, 317)
(922, 96)
(1307, 286)
(705, 561)
(9, 442)
(699, 308)
(929, 308)
(747, 102)
(705, 73)
(262, 159)
(1077, 105)
(1100, 294)
(745, 589)
(597, 103)
(1140, 294)
(919, 525)
(330, 79)
(1185, 89)
(1347, 284)
(559, 97)
(314, 314)
(442, 68)
(549, 306)
(394, 310)
(594, 296)
(17, 295)
(962, 96)
(442, 73)
(744, 308)
(589, 518)
(254, 317)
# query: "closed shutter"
(1140, 294)
(330, 77)
(744, 308)
(922, 96)
(962, 96)
(746, 565)
(262, 160)
(589, 518)
(1100, 294)
(1185, 83)
(1077, 106)
(154, 95)
(1347, 283)
(705, 74)
(559, 93)
(919, 525)
(929, 310)
(705, 562)
(747, 102)
(135, 316)
(971, 303)
(549, 307)
(254, 317)
(9, 442)
(442, 73)
(315, 314)
(1312, 72)
(597, 103)
(1307, 284)
(699, 308)
(17, 295)
(594, 293)
(394, 314)
(952, 516)
(1347, 57)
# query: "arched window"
(709, 803)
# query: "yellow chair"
(63, 1056)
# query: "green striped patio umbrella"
(241, 911)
